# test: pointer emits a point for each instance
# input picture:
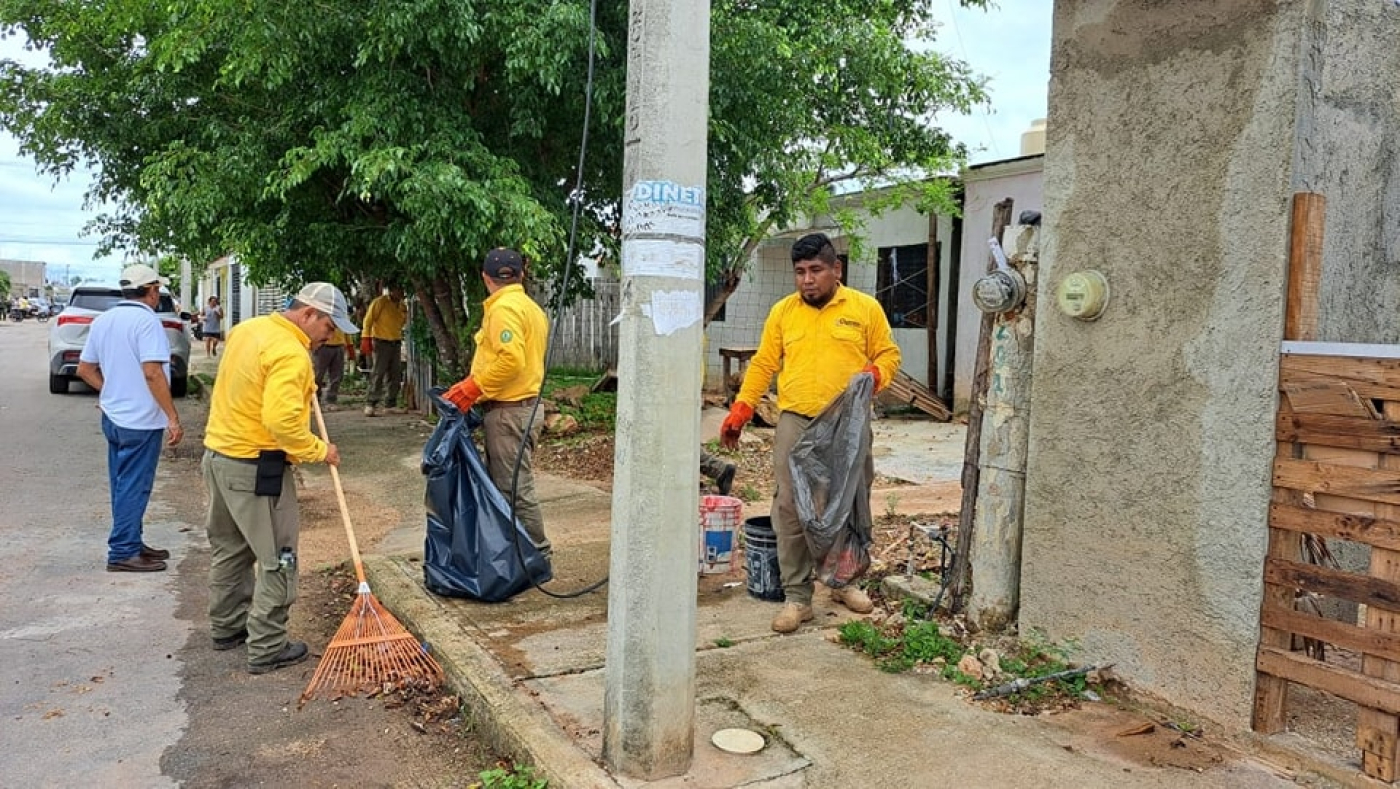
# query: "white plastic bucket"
(720, 517)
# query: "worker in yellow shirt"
(383, 326)
(814, 340)
(329, 361)
(506, 374)
(259, 424)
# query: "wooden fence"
(585, 336)
(1336, 477)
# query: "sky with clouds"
(1010, 45)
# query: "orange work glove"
(366, 346)
(739, 415)
(463, 394)
(875, 371)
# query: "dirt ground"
(249, 730)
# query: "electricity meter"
(1083, 295)
(999, 291)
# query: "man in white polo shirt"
(127, 360)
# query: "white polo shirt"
(121, 338)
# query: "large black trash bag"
(470, 549)
(828, 468)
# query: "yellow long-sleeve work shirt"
(262, 395)
(509, 361)
(814, 352)
(384, 319)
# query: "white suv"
(69, 333)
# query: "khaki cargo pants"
(248, 587)
(795, 561)
(503, 432)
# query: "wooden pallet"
(906, 390)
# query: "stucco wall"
(1351, 154)
(1168, 168)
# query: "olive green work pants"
(248, 587)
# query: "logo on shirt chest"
(506, 336)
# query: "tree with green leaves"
(4, 286)
(367, 143)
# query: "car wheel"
(178, 386)
(58, 384)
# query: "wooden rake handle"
(340, 497)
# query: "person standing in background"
(211, 328)
(329, 361)
(506, 375)
(383, 327)
(127, 360)
(815, 340)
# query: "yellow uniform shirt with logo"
(384, 319)
(509, 361)
(814, 352)
(262, 394)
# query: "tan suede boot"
(791, 617)
(854, 599)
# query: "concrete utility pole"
(649, 702)
(995, 554)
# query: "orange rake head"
(369, 651)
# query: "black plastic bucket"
(761, 559)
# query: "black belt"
(251, 461)
(489, 405)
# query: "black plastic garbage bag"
(828, 470)
(471, 547)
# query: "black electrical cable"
(576, 202)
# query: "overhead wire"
(575, 200)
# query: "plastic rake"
(371, 649)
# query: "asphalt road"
(88, 659)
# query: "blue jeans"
(132, 456)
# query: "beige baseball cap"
(140, 275)
(328, 299)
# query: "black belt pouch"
(272, 464)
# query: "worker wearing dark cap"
(507, 370)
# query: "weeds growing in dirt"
(510, 777)
(913, 641)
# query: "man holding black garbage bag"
(815, 340)
(506, 375)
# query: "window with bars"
(901, 285)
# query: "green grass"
(596, 411)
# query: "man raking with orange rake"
(371, 649)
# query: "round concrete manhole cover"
(737, 741)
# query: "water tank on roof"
(1033, 139)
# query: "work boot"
(136, 564)
(791, 617)
(725, 480)
(148, 552)
(371, 411)
(229, 642)
(854, 599)
(294, 652)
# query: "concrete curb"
(492, 702)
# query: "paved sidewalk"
(530, 671)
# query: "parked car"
(69, 333)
